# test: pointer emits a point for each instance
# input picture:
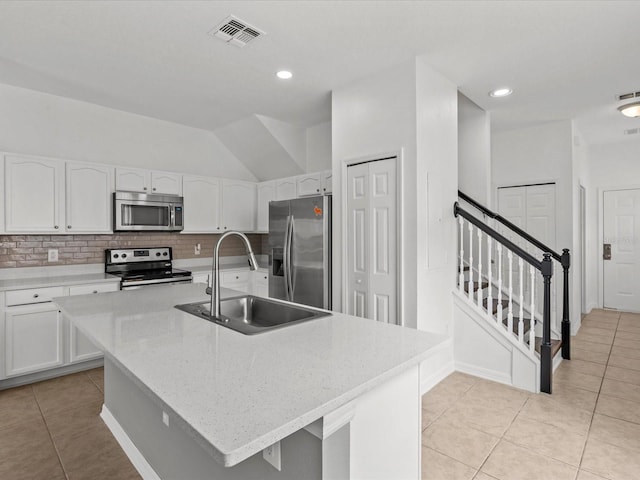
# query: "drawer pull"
(35, 295)
(237, 277)
(95, 291)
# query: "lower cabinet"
(243, 280)
(33, 338)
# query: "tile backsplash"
(31, 250)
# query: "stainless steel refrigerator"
(300, 244)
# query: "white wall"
(43, 124)
(319, 147)
(608, 165)
(540, 154)
(413, 110)
(474, 151)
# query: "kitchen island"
(334, 397)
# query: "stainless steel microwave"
(147, 212)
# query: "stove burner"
(144, 266)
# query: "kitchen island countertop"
(240, 394)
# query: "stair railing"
(544, 266)
(564, 259)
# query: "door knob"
(606, 251)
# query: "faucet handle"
(208, 289)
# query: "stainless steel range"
(142, 267)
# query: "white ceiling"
(563, 59)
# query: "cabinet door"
(88, 198)
(260, 283)
(310, 184)
(286, 189)
(327, 181)
(266, 193)
(236, 280)
(133, 180)
(33, 338)
(165, 182)
(238, 205)
(80, 347)
(34, 193)
(201, 204)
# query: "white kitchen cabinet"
(327, 181)
(236, 280)
(310, 184)
(88, 203)
(201, 277)
(33, 338)
(34, 194)
(286, 188)
(202, 198)
(266, 192)
(260, 283)
(80, 347)
(238, 205)
(148, 181)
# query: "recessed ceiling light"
(630, 109)
(284, 74)
(500, 92)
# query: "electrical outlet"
(52, 255)
(196, 249)
(165, 418)
(272, 455)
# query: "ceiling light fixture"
(630, 109)
(500, 92)
(284, 74)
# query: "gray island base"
(337, 397)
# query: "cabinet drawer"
(261, 278)
(234, 277)
(93, 288)
(33, 295)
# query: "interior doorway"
(372, 244)
(621, 249)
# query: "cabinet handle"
(154, 189)
(317, 189)
(55, 226)
(237, 277)
(69, 227)
(36, 295)
(95, 291)
(144, 188)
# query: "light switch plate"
(52, 255)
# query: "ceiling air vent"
(236, 32)
(627, 96)
(632, 131)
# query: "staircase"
(504, 288)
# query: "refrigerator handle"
(291, 279)
(285, 259)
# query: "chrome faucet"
(215, 270)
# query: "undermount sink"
(250, 315)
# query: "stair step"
(555, 346)
(516, 324)
(464, 269)
(476, 286)
(505, 304)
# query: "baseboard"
(436, 377)
(483, 373)
(49, 374)
(437, 367)
(130, 450)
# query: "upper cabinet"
(310, 184)
(213, 205)
(286, 188)
(201, 204)
(327, 179)
(88, 198)
(146, 181)
(34, 194)
(266, 192)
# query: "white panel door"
(622, 231)
(133, 180)
(166, 183)
(201, 204)
(88, 198)
(371, 231)
(238, 205)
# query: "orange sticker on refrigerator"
(318, 211)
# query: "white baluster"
(510, 308)
(479, 296)
(521, 301)
(532, 335)
(499, 282)
(490, 268)
(461, 267)
(470, 284)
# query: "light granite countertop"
(19, 283)
(240, 393)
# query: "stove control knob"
(115, 255)
(165, 254)
(124, 255)
(157, 254)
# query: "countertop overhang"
(240, 393)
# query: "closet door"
(372, 244)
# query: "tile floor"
(589, 429)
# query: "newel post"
(565, 260)
(546, 362)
